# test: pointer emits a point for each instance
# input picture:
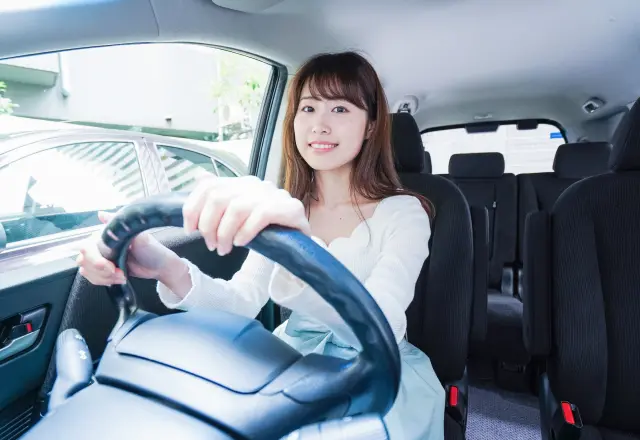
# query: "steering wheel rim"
(296, 252)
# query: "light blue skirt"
(418, 411)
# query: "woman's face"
(329, 133)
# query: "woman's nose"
(320, 126)
(320, 129)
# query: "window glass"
(224, 170)
(525, 151)
(62, 189)
(189, 94)
(208, 96)
(184, 167)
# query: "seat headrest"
(625, 153)
(406, 143)
(582, 159)
(476, 165)
(427, 168)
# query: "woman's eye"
(307, 108)
(340, 109)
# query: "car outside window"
(62, 189)
(224, 170)
(197, 95)
(184, 167)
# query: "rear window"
(524, 150)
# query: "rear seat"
(482, 180)
(509, 200)
(539, 191)
(427, 168)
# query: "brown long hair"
(348, 76)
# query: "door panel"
(45, 285)
(74, 303)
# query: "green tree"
(6, 105)
(240, 82)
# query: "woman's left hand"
(231, 211)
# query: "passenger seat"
(449, 307)
(581, 299)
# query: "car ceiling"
(462, 59)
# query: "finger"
(289, 213)
(257, 220)
(93, 260)
(98, 279)
(105, 217)
(232, 220)
(208, 224)
(191, 211)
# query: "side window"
(224, 170)
(207, 96)
(62, 189)
(184, 167)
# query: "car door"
(41, 293)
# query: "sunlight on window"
(64, 186)
(27, 5)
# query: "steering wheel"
(217, 372)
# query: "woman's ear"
(369, 131)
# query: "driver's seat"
(449, 307)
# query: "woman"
(340, 187)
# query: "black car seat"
(581, 301)
(449, 307)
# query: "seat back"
(439, 318)
(482, 179)
(593, 343)
(427, 168)
(572, 162)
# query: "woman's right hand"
(147, 258)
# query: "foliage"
(239, 85)
(6, 105)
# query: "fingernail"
(239, 241)
(211, 246)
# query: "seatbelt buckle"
(567, 423)
(456, 405)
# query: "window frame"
(503, 122)
(61, 140)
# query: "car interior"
(519, 121)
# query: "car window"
(224, 170)
(525, 151)
(62, 189)
(184, 167)
(205, 95)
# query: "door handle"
(18, 345)
(20, 332)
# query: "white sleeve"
(244, 294)
(391, 283)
